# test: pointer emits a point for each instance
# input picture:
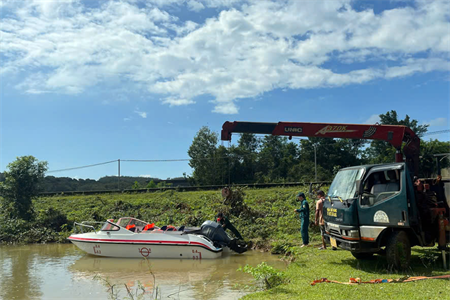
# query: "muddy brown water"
(61, 271)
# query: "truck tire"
(359, 255)
(398, 250)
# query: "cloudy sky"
(83, 82)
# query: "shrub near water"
(47, 226)
(270, 276)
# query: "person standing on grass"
(319, 217)
(304, 217)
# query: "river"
(62, 271)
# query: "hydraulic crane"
(396, 135)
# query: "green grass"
(340, 265)
(268, 214)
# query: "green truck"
(378, 209)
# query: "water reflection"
(199, 279)
(17, 278)
(62, 271)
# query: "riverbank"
(265, 217)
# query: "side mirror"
(358, 187)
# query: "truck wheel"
(398, 250)
(359, 255)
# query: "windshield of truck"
(343, 186)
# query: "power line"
(82, 167)
(435, 132)
(146, 160)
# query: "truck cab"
(371, 208)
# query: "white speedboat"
(130, 237)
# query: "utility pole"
(118, 175)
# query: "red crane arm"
(394, 134)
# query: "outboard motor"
(215, 233)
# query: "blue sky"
(84, 82)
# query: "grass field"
(267, 214)
(311, 264)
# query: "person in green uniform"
(304, 217)
(226, 224)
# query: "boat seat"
(164, 228)
(149, 227)
(181, 228)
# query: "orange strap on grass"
(353, 281)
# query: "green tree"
(225, 165)
(383, 152)
(151, 184)
(163, 184)
(304, 171)
(202, 153)
(330, 154)
(275, 158)
(136, 185)
(428, 166)
(22, 184)
(242, 159)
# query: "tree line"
(50, 184)
(276, 159)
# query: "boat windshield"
(129, 221)
(109, 227)
(343, 186)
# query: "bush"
(270, 276)
(52, 218)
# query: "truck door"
(383, 202)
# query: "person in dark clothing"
(424, 210)
(226, 224)
(438, 187)
(303, 212)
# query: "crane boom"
(394, 134)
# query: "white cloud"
(142, 114)
(438, 122)
(247, 49)
(177, 101)
(146, 176)
(195, 5)
(373, 119)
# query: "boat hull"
(139, 239)
(145, 250)
(157, 245)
